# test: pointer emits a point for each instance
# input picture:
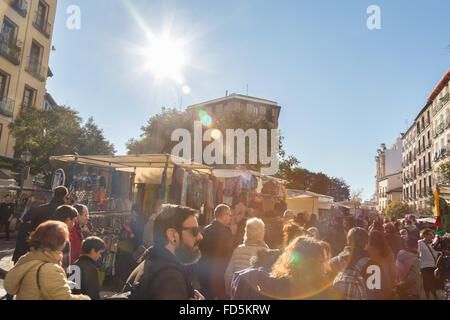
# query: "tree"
(398, 210)
(156, 135)
(92, 140)
(339, 189)
(55, 132)
(444, 170)
(356, 195)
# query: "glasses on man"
(194, 230)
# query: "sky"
(343, 89)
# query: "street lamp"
(26, 156)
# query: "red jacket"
(76, 239)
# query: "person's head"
(291, 230)
(357, 238)
(7, 198)
(49, 236)
(136, 210)
(254, 229)
(93, 247)
(176, 228)
(398, 226)
(305, 260)
(66, 214)
(60, 193)
(288, 215)
(389, 227)
(404, 233)
(378, 246)
(222, 213)
(314, 233)
(427, 235)
(83, 213)
(411, 244)
(265, 258)
(300, 219)
(376, 226)
(409, 222)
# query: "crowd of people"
(237, 256)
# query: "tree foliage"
(303, 179)
(156, 134)
(55, 132)
(444, 170)
(398, 210)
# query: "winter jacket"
(160, 277)
(216, 248)
(89, 277)
(22, 279)
(44, 212)
(22, 246)
(76, 240)
(408, 266)
(241, 259)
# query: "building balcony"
(7, 107)
(36, 69)
(42, 25)
(21, 6)
(442, 102)
(10, 48)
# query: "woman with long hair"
(381, 254)
(304, 267)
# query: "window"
(9, 30)
(1, 130)
(429, 160)
(41, 14)
(429, 181)
(256, 110)
(3, 85)
(35, 53)
(28, 97)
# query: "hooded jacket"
(408, 266)
(22, 279)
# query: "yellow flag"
(436, 203)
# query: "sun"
(165, 58)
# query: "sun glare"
(165, 58)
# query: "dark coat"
(22, 246)
(44, 212)
(161, 277)
(89, 277)
(216, 248)
(395, 242)
(6, 210)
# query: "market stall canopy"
(147, 167)
(232, 173)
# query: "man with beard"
(163, 275)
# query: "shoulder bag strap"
(37, 276)
(434, 258)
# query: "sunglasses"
(194, 230)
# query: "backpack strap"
(361, 263)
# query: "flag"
(436, 203)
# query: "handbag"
(13, 224)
